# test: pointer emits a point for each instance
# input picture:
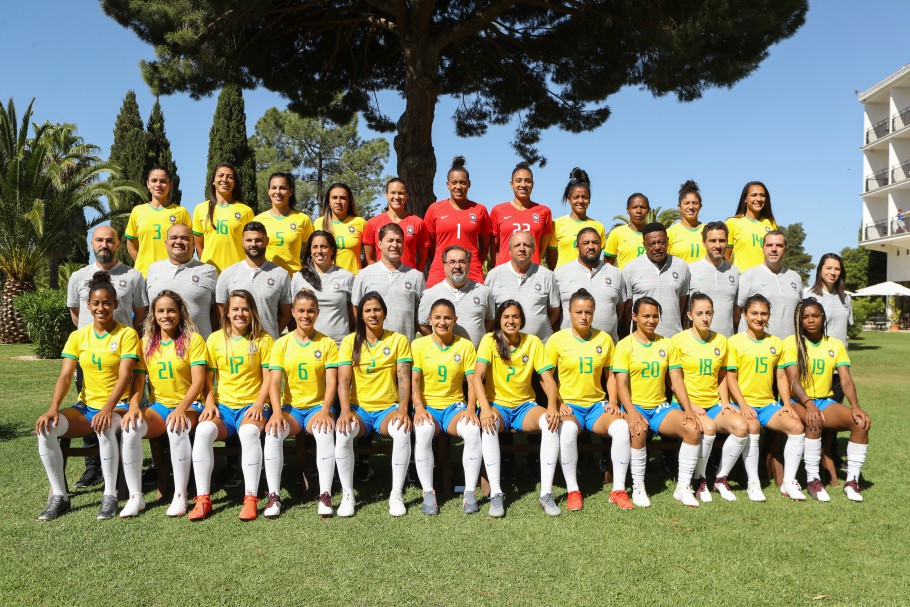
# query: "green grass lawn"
(742, 554)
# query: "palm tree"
(665, 216)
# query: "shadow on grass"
(13, 431)
(860, 346)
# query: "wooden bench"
(69, 451)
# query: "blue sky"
(795, 123)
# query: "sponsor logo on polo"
(537, 286)
(476, 301)
(270, 282)
(793, 284)
(122, 283)
(195, 279)
(407, 285)
(609, 281)
(732, 280)
(675, 275)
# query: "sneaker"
(621, 499)
(702, 493)
(429, 503)
(108, 509)
(134, 506)
(685, 496)
(272, 506)
(817, 490)
(202, 508)
(497, 506)
(177, 507)
(640, 497)
(89, 478)
(250, 509)
(723, 488)
(574, 501)
(324, 508)
(396, 505)
(469, 503)
(346, 508)
(549, 505)
(753, 490)
(852, 491)
(56, 505)
(792, 490)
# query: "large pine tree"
(130, 152)
(159, 149)
(229, 143)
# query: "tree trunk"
(12, 328)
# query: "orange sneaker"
(574, 502)
(202, 508)
(621, 499)
(250, 508)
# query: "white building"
(886, 171)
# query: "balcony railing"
(878, 130)
(884, 228)
(900, 120)
(877, 180)
(900, 172)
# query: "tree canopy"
(130, 152)
(796, 258)
(228, 143)
(159, 149)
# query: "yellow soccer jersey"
(148, 226)
(755, 363)
(580, 364)
(375, 380)
(304, 368)
(509, 384)
(701, 364)
(823, 358)
(685, 243)
(223, 237)
(239, 373)
(169, 375)
(625, 244)
(100, 356)
(745, 238)
(646, 366)
(287, 236)
(443, 369)
(565, 232)
(348, 236)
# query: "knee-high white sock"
(181, 459)
(52, 456)
(132, 456)
(750, 458)
(688, 457)
(110, 455)
(423, 454)
(733, 447)
(856, 457)
(812, 456)
(325, 459)
(472, 454)
(639, 463)
(344, 457)
(401, 456)
(250, 457)
(793, 452)
(204, 456)
(620, 452)
(273, 454)
(492, 459)
(549, 455)
(568, 454)
(704, 452)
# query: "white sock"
(856, 457)
(250, 457)
(401, 456)
(620, 452)
(688, 458)
(204, 456)
(549, 455)
(750, 458)
(132, 456)
(181, 459)
(707, 443)
(568, 454)
(472, 454)
(639, 463)
(423, 453)
(344, 457)
(325, 460)
(812, 456)
(733, 447)
(52, 456)
(110, 455)
(793, 452)
(273, 454)
(492, 459)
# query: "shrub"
(863, 308)
(47, 320)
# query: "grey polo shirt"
(641, 278)
(194, 281)
(536, 291)
(839, 314)
(269, 284)
(127, 281)
(721, 284)
(334, 298)
(783, 290)
(604, 282)
(474, 305)
(400, 288)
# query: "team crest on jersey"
(113, 347)
(773, 350)
(293, 226)
(473, 217)
(195, 280)
(535, 217)
(476, 301)
(537, 286)
(663, 353)
(457, 358)
(524, 358)
(317, 354)
(351, 229)
(270, 282)
(675, 275)
(767, 229)
(831, 353)
(716, 351)
(336, 286)
(609, 281)
(173, 218)
(599, 350)
(407, 285)
(386, 351)
(122, 283)
(793, 284)
(410, 229)
(236, 215)
(732, 280)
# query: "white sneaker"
(685, 495)
(177, 507)
(272, 506)
(325, 505)
(134, 506)
(396, 505)
(754, 491)
(817, 490)
(346, 508)
(640, 497)
(723, 489)
(792, 490)
(851, 490)
(703, 493)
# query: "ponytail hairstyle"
(307, 269)
(327, 209)
(582, 295)
(255, 323)
(766, 212)
(802, 353)
(101, 281)
(578, 178)
(292, 200)
(523, 166)
(502, 344)
(360, 332)
(689, 187)
(458, 165)
(185, 327)
(839, 285)
(213, 196)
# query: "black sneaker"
(89, 478)
(56, 505)
(108, 508)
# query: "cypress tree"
(130, 152)
(228, 142)
(159, 149)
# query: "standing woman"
(288, 229)
(755, 359)
(458, 221)
(374, 388)
(146, 230)
(340, 219)
(562, 247)
(173, 358)
(331, 284)
(625, 243)
(812, 357)
(107, 351)
(506, 360)
(521, 214)
(416, 236)
(218, 222)
(831, 292)
(753, 219)
(239, 355)
(307, 361)
(642, 364)
(685, 237)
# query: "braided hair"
(802, 350)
